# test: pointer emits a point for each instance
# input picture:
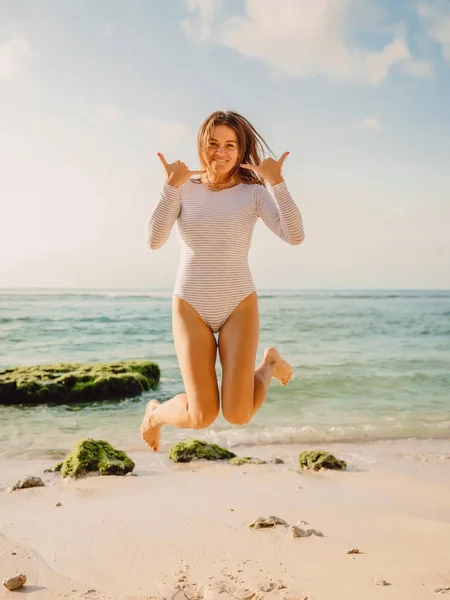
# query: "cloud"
(304, 38)
(109, 28)
(368, 124)
(436, 15)
(371, 124)
(167, 133)
(110, 113)
(199, 27)
(423, 69)
(11, 55)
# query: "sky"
(358, 91)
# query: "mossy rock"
(247, 460)
(77, 383)
(319, 459)
(94, 455)
(196, 449)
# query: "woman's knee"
(237, 415)
(201, 419)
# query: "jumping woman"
(214, 291)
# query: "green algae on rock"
(319, 459)
(74, 382)
(192, 449)
(247, 460)
(94, 455)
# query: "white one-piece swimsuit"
(215, 230)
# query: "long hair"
(251, 146)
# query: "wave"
(264, 294)
(128, 294)
(281, 436)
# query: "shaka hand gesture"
(269, 169)
(177, 172)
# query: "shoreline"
(370, 452)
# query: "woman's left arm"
(281, 215)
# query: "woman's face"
(222, 152)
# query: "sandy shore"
(180, 531)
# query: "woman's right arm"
(168, 208)
(163, 217)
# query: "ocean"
(368, 365)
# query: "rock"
(267, 587)
(75, 382)
(14, 553)
(27, 482)
(296, 531)
(245, 460)
(319, 459)
(55, 469)
(58, 504)
(15, 583)
(353, 551)
(381, 582)
(186, 451)
(95, 455)
(277, 461)
(263, 522)
(442, 590)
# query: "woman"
(214, 291)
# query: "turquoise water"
(367, 365)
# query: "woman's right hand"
(177, 173)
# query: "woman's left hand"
(269, 169)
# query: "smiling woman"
(214, 291)
(226, 140)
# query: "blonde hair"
(251, 146)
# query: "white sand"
(185, 526)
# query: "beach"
(371, 385)
(181, 530)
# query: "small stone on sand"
(58, 504)
(262, 522)
(16, 582)
(267, 587)
(445, 590)
(353, 551)
(381, 582)
(297, 532)
(27, 482)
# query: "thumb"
(283, 158)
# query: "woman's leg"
(196, 349)
(243, 387)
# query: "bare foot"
(282, 371)
(150, 433)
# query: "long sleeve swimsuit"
(215, 230)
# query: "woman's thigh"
(238, 343)
(196, 350)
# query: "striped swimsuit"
(215, 230)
